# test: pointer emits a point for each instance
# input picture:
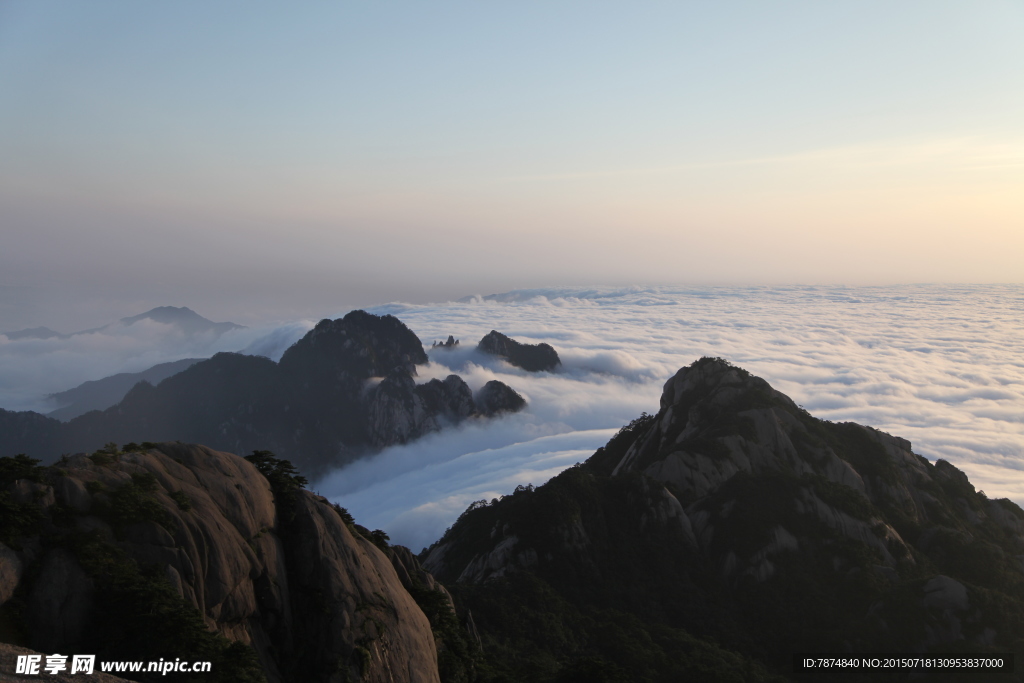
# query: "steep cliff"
(733, 514)
(346, 388)
(182, 551)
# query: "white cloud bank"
(940, 365)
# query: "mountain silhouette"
(734, 519)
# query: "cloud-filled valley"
(940, 365)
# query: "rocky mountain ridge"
(346, 388)
(733, 514)
(707, 542)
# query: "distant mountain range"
(100, 394)
(35, 333)
(346, 388)
(185, 319)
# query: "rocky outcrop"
(446, 345)
(280, 571)
(399, 410)
(346, 388)
(735, 514)
(497, 397)
(530, 357)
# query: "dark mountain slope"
(100, 394)
(322, 405)
(733, 514)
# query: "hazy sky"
(253, 160)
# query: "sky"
(830, 195)
(264, 162)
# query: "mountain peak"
(361, 345)
(182, 317)
(165, 314)
(736, 515)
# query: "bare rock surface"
(290, 578)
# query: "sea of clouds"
(941, 365)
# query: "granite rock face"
(735, 514)
(399, 410)
(530, 357)
(291, 579)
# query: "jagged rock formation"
(97, 543)
(531, 357)
(448, 344)
(322, 405)
(734, 514)
(399, 409)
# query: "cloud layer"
(939, 365)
